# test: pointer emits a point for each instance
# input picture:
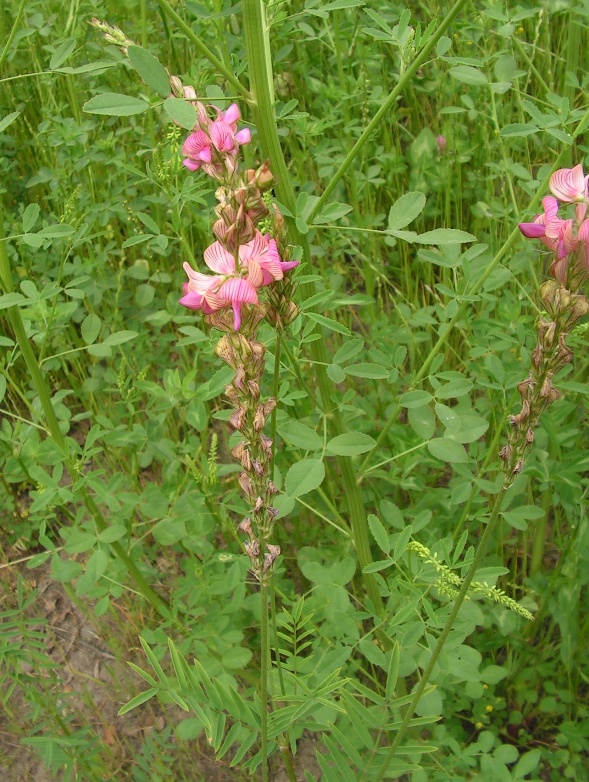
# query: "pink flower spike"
(569, 184)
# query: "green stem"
(43, 392)
(260, 71)
(204, 50)
(491, 526)
(400, 86)
(264, 673)
(13, 31)
(540, 531)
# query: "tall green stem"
(260, 72)
(264, 673)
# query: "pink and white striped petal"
(219, 260)
(569, 184)
(238, 289)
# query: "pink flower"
(560, 235)
(234, 284)
(215, 145)
(569, 184)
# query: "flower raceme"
(238, 276)
(567, 239)
(214, 144)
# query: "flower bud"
(246, 484)
(238, 418)
(246, 526)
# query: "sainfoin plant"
(336, 497)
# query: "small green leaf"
(350, 444)
(150, 70)
(329, 323)
(118, 337)
(30, 217)
(90, 328)
(336, 373)
(11, 300)
(519, 129)
(8, 120)
(56, 231)
(469, 75)
(331, 212)
(445, 236)
(62, 52)
(447, 450)
(300, 435)
(415, 399)
(405, 210)
(304, 476)
(372, 371)
(181, 112)
(114, 104)
(379, 533)
(137, 701)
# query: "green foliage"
(426, 308)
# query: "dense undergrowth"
(425, 338)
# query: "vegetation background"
(426, 341)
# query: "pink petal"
(238, 289)
(191, 299)
(232, 114)
(568, 184)
(222, 136)
(236, 315)
(191, 165)
(219, 260)
(255, 274)
(532, 230)
(583, 232)
(243, 136)
(195, 143)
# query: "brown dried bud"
(555, 296)
(258, 467)
(546, 331)
(525, 388)
(565, 354)
(233, 395)
(579, 309)
(529, 437)
(268, 406)
(259, 505)
(516, 420)
(246, 485)
(271, 488)
(252, 549)
(518, 467)
(246, 526)
(253, 388)
(238, 380)
(273, 512)
(224, 349)
(505, 453)
(548, 391)
(266, 443)
(259, 420)
(238, 418)
(537, 356)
